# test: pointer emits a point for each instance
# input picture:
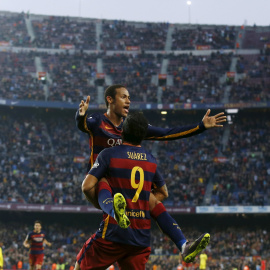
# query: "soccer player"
(105, 131)
(124, 233)
(35, 241)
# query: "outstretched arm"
(166, 134)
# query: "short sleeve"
(100, 166)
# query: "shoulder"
(104, 155)
(94, 116)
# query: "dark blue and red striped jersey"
(103, 133)
(130, 170)
(36, 242)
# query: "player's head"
(117, 99)
(37, 225)
(134, 128)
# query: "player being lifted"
(124, 234)
(105, 131)
(35, 240)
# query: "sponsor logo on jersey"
(38, 239)
(112, 142)
(135, 213)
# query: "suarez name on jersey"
(131, 171)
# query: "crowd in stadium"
(244, 177)
(117, 35)
(13, 30)
(43, 151)
(217, 37)
(228, 247)
(43, 157)
(71, 77)
(51, 32)
(194, 78)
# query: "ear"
(109, 99)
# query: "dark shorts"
(99, 254)
(35, 259)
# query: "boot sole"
(202, 245)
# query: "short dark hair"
(134, 128)
(38, 221)
(111, 92)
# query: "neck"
(114, 118)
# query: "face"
(37, 227)
(120, 105)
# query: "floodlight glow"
(164, 112)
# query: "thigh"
(32, 259)
(98, 254)
(135, 259)
(39, 259)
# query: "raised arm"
(166, 134)
(81, 115)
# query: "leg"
(31, 262)
(39, 261)
(77, 266)
(113, 206)
(170, 227)
(135, 259)
(152, 201)
(97, 254)
(165, 222)
(38, 266)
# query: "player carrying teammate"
(105, 131)
(35, 241)
(124, 234)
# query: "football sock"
(169, 226)
(105, 198)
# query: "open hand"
(213, 121)
(84, 106)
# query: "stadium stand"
(181, 68)
(230, 246)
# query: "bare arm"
(161, 193)
(88, 189)
(47, 243)
(26, 242)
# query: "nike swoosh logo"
(108, 127)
